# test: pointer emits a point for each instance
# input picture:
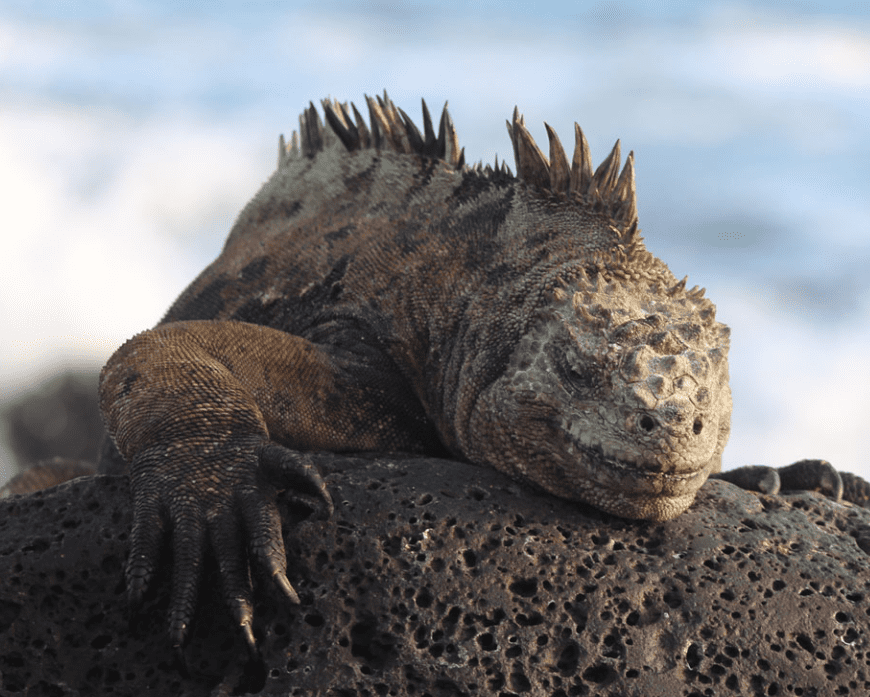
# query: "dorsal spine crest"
(606, 190)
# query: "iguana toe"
(760, 478)
(289, 469)
(266, 544)
(805, 475)
(145, 542)
(813, 475)
(855, 489)
(188, 547)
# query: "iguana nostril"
(647, 423)
(697, 426)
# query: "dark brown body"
(421, 271)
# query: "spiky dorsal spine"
(390, 129)
(606, 189)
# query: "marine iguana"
(378, 294)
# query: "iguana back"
(386, 240)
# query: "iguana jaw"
(656, 509)
(641, 477)
(628, 489)
(619, 487)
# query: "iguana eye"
(647, 423)
(579, 379)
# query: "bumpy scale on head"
(618, 394)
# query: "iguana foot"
(237, 522)
(806, 475)
(856, 489)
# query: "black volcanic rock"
(440, 578)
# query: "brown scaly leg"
(211, 417)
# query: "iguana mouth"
(636, 478)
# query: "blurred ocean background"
(132, 133)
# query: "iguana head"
(617, 393)
(615, 397)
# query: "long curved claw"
(244, 614)
(282, 583)
(292, 470)
(759, 478)
(263, 525)
(251, 643)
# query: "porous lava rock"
(440, 578)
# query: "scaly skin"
(378, 295)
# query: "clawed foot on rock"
(806, 475)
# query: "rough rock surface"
(439, 578)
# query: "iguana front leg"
(196, 409)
